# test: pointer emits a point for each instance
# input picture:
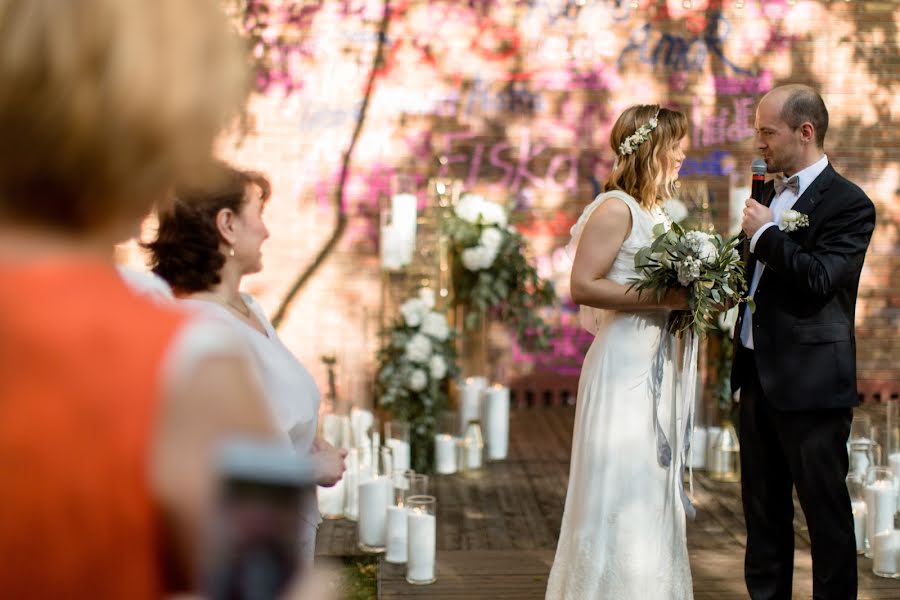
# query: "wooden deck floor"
(497, 534)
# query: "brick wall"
(518, 97)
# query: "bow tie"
(792, 183)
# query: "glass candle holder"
(474, 444)
(421, 539)
(396, 437)
(860, 455)
(445, 444)
(856, 485)
(860, 427)
(495, 409)
(881, 504)
(375, 495)
(351, 484)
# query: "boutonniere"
(791, 220)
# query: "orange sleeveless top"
(80, 363)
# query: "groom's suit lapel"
(812, 195)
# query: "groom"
(795, 357)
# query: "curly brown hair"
(640, 174)
(186, 250)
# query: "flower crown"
(639, 137)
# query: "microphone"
(759, 179)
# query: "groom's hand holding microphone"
(755, 214)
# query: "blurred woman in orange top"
(110, 403)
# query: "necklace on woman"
(241, 308)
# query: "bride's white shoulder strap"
(578, 227)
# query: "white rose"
(676, 209)
(708, 253)
(418, 380)
(493, 214)
(491, 238)
(418, 350)
(688, 271)
(435, 325)
(469, 207)
(662, 258)
(728, 318)
(438, 367)
(478, 257)
(426, 295)
(413, 310)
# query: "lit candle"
(859, 524)
(886, 548)
(444, 454)
(496, 417)
(698, 448)
(331, 500)
(374, 497)
(400, 452)
(881, 504)
(470, 400)
(403, 221)
(421, 540)
(396, 535)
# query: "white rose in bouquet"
(491, 238)
(413, 310)
(435, 325)
(676, 209)
(438, 367)
(708, 253)
(477, 258)
(418, 350)
(418, 380)
(688, 271)
(426, 295)
(469, 207)
(728, 318)
(493, 214)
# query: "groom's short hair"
(805, 104)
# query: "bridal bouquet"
(703, 262)
(490, 271)
(414, 368)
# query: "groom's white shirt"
(780, 203)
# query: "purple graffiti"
(725, 125)
(516, 171)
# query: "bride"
(623, 528)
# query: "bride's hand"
(677, 299)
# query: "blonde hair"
(107, 104)
(641, 174)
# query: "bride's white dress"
(623, 529)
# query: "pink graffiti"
(733, 86)
(725, 126)
(516, 171)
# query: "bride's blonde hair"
(641, 172)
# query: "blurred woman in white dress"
(623, 528)
(207, 241)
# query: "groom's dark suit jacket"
(803, 327)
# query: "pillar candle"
(886, 548)
(421, 542)
(473, 456)
(470, 400)
(374, 496)
(400, 452)
(698, 448)
(403, 221)
(496, 421)
(881, 503)
(444, 454)
(894, 461)
(396, 535)
(331, 500)
(332, 429)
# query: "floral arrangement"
(414, 368)
(641, 135)
(791, 221)
(702, 262)
(491, 274)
